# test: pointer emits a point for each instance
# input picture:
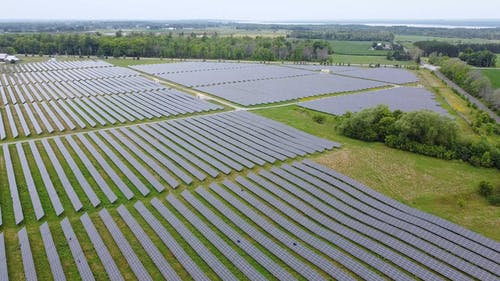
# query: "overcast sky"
(259, 10)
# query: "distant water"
(470, 24)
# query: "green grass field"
(444, 188)
(356, 48)
(366, 60)
(494, 76)
(415, 38)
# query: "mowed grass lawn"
(444, 188)
(493, 75)
(356, 48)
(365, 60)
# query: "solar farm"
(253, 84)
(401, 98)
(106, 174)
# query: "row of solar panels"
(54, 65)
(225, 76)
(290, 88)
(192, 67)
(384, 74)
(62, 115)
(64, 75)
(163, 154)
(406, 99)
(54, 91)
(296, 221)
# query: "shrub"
(494, 199)
(369, 125)
(320, 119)
(485, 188)
(426, 127)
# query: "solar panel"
(217, 241)
(26, 255)
(132, 259)
(161, 263)
(171, 243)
(4, 273)
(76, 251)
(269, 244)
(212, 261)
(51, 252)
(84, 184)
(14, 193)
(73, 197)
(33, 193)
(101, 249)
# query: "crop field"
(401, 98)
(96, 184)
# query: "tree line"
(167, 46)
(480, 58)
(453, 50)
(469, 79)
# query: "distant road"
(472, 99)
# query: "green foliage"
(169, 46)
(471, 80)
(485, 188)
(492, 194)
(439, 47)
(480, 59)
(426, 127)
(423, 132)
(320, 119)
(369, 124)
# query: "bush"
(369, 125)
(485, 188)
(494, 199)
(426, 127)
(320, 119)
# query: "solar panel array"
(400, 98)
(230, 75)
(55, 65)
(44, 101)
(295, 221)
(278, 90)
(384, 74)
(251, 84)
(150, 156)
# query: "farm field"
(366, 60)
(177, 189)
(415, 38)
(361, 48)
(494, 76)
